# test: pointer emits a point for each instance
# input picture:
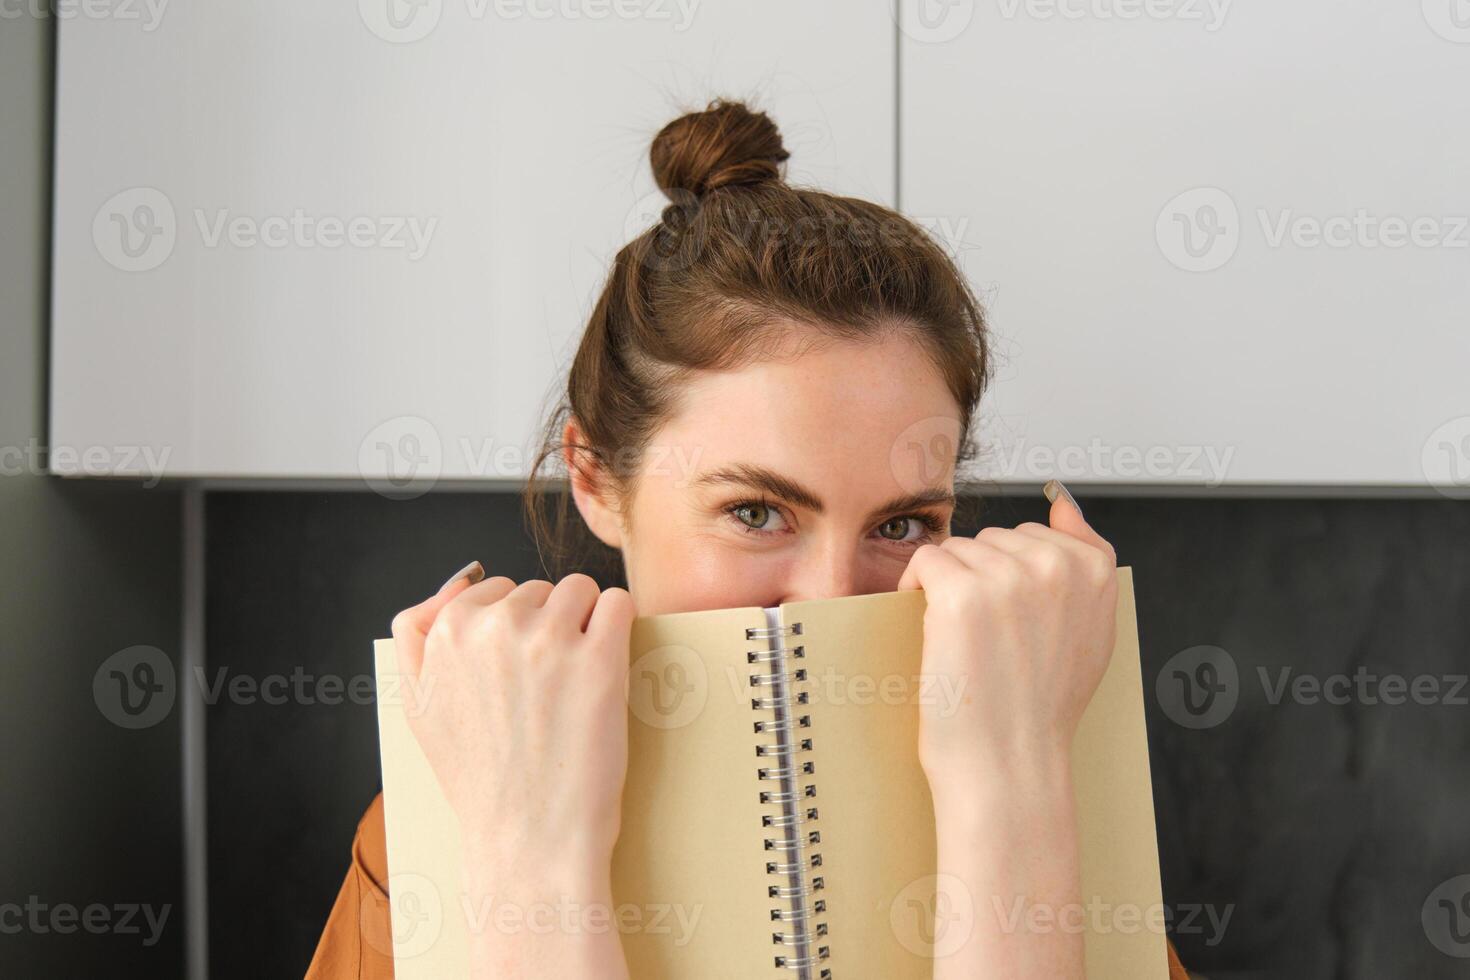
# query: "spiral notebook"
(776, 821)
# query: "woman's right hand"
(519, 703)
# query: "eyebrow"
(750, 475)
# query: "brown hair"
(735, 258)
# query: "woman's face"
(811, 475)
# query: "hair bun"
(725, 145)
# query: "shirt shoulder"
(1176, 969)
(357, 941)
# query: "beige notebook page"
(691, 840)
(688, 873)
(863, 655)
(429, 922)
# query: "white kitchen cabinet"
(336, 240)
(1220, 242)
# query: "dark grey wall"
(298, 586)
(89, 811)
(1319, 829)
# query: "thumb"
(1066, 516)
(411, 626)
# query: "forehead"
(861, 418)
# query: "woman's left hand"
(1025, 618)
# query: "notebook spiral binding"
(802, 931)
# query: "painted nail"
(1055, 487)
(474, 571)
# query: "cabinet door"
(1220, 242)
(362, 240)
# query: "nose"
(827, 570)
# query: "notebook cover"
(689, 878)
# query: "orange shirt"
(357, 943)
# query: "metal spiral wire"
(796, 885)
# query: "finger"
(1070, 544)
(1067, 517)
(572, 600)
(411, 626)
(612, 616)
(913, 571)
(989, 551)
(531, 593)
(486, 593)
(928, 566)
(1004, 539)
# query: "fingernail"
(474, 571)
(1054, 487)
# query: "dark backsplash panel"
(1319, 829)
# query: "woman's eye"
(912, 528)
(757, 516)
(898, 528)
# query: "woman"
(770, 403)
